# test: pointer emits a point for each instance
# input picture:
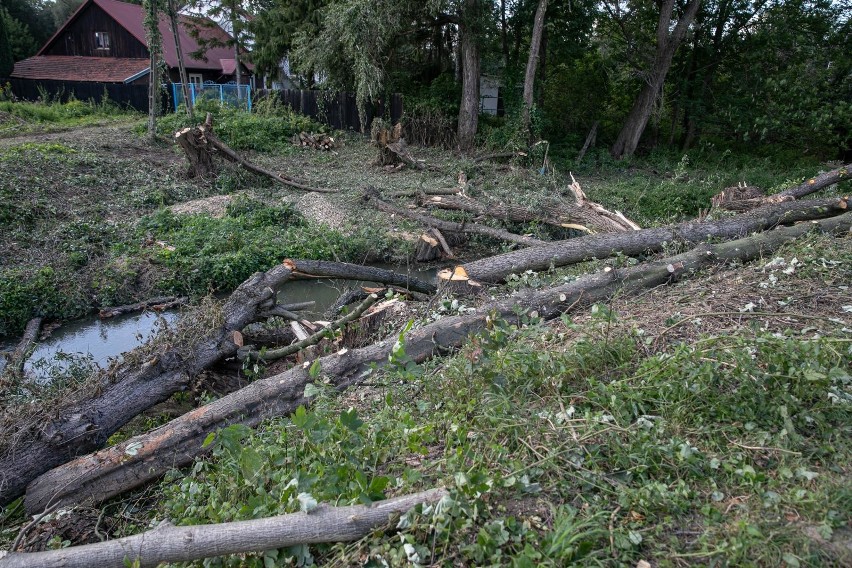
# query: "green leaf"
(311, 390)
(208, 440)
(314, 371)
(251, 463)
(350, 420)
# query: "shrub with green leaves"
(268, 129)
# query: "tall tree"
(275, 30)
(470, 32)
(174, 20)
(669, 38)
(7, 62)
(155, 48)
(532, 63)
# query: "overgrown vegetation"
(269, 128)
(50, 113)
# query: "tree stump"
(198, 149)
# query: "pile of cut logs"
(317, 141)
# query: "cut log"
(168, 543)
(319, 141)
(571, 251)
(156, 304)
(372, 196)
(109, 472)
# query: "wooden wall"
(79, 37)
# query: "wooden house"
(104, 42)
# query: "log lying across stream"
(141, 459)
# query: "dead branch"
(156, 304)
(372, 196)
(274, 354)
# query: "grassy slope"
(671, 428)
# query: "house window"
(101, 40)
(196, 79)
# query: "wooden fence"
(134, 96)
(336, 109)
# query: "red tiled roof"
(75, 68)
(131, 16)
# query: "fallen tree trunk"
(562, 253)
(344, 270)
(819, 182)
(185, 543)
(156, 304)
(372, 196)
(25, 347)
(85, 425)
(107, 473)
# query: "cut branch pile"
(582, 215)
(317, 141)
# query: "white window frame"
(102, 41)
(196, 79)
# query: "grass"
(19, 117)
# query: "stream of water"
(93, 341)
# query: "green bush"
(44, 293)
(267, 130)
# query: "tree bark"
(667, 44)
(184, 78)
(469, 48)
(562, 253)
(141, 459)
(532, 62)
(166, 544)
(195, 146)
(371, 196)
